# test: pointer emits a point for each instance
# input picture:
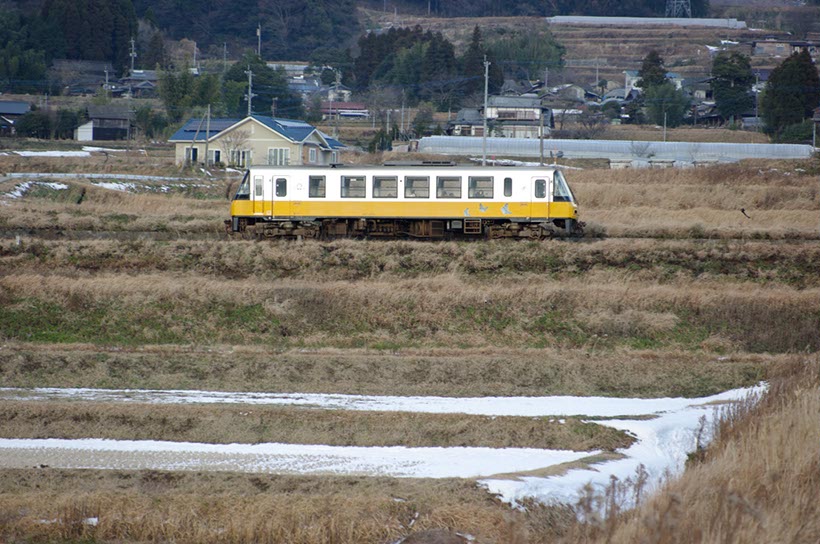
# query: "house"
(631, 79)
(777, 47)
(81, 77)
(109, 122)
(507, 116)
(142, 83)
(254, 140)
(10, 112)
(351, 110)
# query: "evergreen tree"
(792, 93)
(268, 85)
(472, 67)
(666, 105)
(652, 72)
(155, 55)
(732, 81)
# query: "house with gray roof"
(254, 140)
(507, 116)
(10, 112)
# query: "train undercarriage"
(423, 229)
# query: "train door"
(540, 201)
(258, 194)
(280, 204)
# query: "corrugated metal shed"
(613, 149)
(647, 21)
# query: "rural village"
(410, 272)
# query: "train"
(422, 201)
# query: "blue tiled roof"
(292, 129)
(189, 129)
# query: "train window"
(540, 188)
(416, 187)
(353, 187)
(448, 187)
(560, 191)
(257, 186)
(507, 186)
(385, 187)
(244, 191)
(316, 186)
(480, 187)
(281, 187)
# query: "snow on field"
(22, 188)
(400, 462)
(115, 186)
(487, 406)
(662, 446)
(53, 153)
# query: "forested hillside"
(33, 32)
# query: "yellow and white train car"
(435, 202)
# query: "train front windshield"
(244, 191)
(561, 192)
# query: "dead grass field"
(680, 295)
(451, 372)
(258, 424)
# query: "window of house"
(316, 187)
(507, 186)
(385, 187)
(448, 187)
(278, 156)
(240, 157)
(216, 156)
(257, 186)
(480, 187)
(540, 188)
(281, 187)
(353, 187)
(192, 153)
(334, 157)
(416, 187)
(312, 155)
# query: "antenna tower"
(679, 8)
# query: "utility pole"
(546, 78)
(250, 90)
(259, 40)
(273, 107)
(133, 55)
(224, 57)
(195, 57)
(484, 132)
(106, 81)
(335, 93)
(664, 124)
(402, 112)
(207, 136)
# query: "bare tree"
(233, 144)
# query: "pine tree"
(792, 93)
(732, 81)
(652, 72)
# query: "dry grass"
(451, 372)
(447, 310)
(647, 133)
(758, 483)
(239, 508)
(761, 262)
(255, 424)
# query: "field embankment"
(677, 293)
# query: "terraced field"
(119, 284)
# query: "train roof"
(414, 166)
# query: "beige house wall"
(264, 144)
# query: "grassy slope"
(714, 301)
